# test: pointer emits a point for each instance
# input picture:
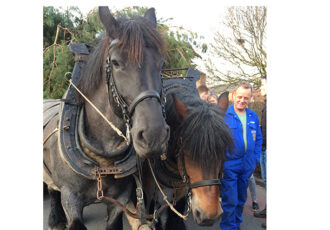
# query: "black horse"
(196, 151)
(122, 79)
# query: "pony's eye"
(115, 63)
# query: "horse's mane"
(203, 130)
(133, 35)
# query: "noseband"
(127, 110)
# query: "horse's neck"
(97, 129)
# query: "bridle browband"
(127, 110)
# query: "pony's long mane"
(203, 130)
(134, 35)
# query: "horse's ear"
(151, 16)
(223, 101)
(109, 22)
(180, 108)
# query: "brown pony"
(196, 151)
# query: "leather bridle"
(128, 110)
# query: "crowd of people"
(249, 150)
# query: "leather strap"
(141, 97)
(205, 183)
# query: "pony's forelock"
(205, 134)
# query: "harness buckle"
(163, 157)
(139, 194)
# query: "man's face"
(241, 98)
(204, 95)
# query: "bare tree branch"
(242, 50)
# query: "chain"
(135, 215)
(99, 193)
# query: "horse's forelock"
(136, 33)
(205, 134)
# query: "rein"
(101, 114)
(185, 217)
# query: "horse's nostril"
(141, 138)
(198, 214)
(140, 135)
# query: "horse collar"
(72, 152)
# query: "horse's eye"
(114, 62)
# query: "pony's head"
(128, 61)
(204, 139)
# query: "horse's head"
(203, 141)
(132, 62)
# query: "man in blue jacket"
(243, 159)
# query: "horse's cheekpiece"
(69, 140)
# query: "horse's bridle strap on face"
(128, 110)
(141, 97)
(205, 183)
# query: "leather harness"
(71, 134)
(73, 143)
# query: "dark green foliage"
(56, 74)
(53, 17)
(180, 52)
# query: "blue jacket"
(253, 136)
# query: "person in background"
(204, 92)
(263, 159)
(212, 98)
(253, 192)
(242, 160)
